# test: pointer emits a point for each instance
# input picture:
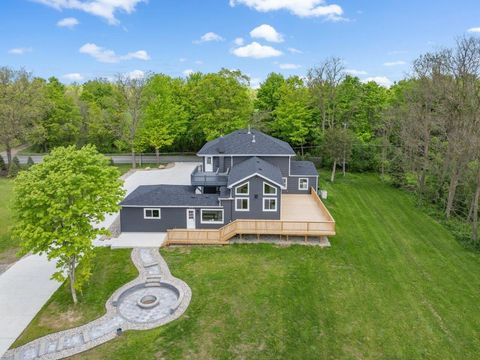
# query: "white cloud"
(256, 51)
(397, 52)
(208, 37)
(136, 74)
(182, 59)
(69, 22)
(289, 66)
(380, 80)
(108, 56)
(394, 63)
(266, 32)
(19, 51)
(474, 30)
(239, 41)
(255, 83)
(301, 8)
(73, 77)
(356, 72)
(103, 8)
(198, 62)
(188, 72)
(295, 51)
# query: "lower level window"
(269, 204)
(151, 213)
(212, 216)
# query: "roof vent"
(253, 139)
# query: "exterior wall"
(292, 184)
(131, 220)
(256, 201)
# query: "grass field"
(8, 247)
(394, 285)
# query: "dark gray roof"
(240, 142)
(255, 165)
(302, 168)
(169, 195)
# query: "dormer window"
(242, 189)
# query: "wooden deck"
(301, 215)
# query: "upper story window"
(242, 204)
(242, 189)
(269, 189)
(302, 183)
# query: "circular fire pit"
(148, 301)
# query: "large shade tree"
(60, 205)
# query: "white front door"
(208, 163)
(190, 218)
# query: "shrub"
(14, 167)
(3, 166)
(30, 162)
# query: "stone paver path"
(123, 311)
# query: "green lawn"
(394, 285)
(8, 247)
(111, 270)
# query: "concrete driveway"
(26, 286)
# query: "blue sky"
(81, 40)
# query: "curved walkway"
(123, 312)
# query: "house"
(245, 177)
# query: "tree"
(3, 166)
(131, 91)
(59, 204)
(293, 114)
(59, 123)
(219, 103)
(14, 167)
(337, 146)
(323, 81)
(165, 118)
(19, 104)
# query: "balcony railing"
(208, 178)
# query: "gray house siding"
(132, 220)
(292, 184)
(256, 201)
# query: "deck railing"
(251, 226)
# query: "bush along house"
(247, 183)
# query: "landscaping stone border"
(66, 343)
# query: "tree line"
(422, 133)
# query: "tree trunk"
(71, 274)
(452, 188)
(157, 155)
(423, 175)
(475, 210)
(332, 178)
(8, 149)
(134, 160)
(343, 162)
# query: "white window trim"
(243, 194)
(270, 210)
(285, 185)
(300, 181)
(152, 217)
(211, 222)
(264, 193)
(242, 198)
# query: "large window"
(211, 216)
(242, 189)
(269, 189)
(151, 213)
(269, 204)
(302, 183)
(242, 204)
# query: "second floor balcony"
(200, 177)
